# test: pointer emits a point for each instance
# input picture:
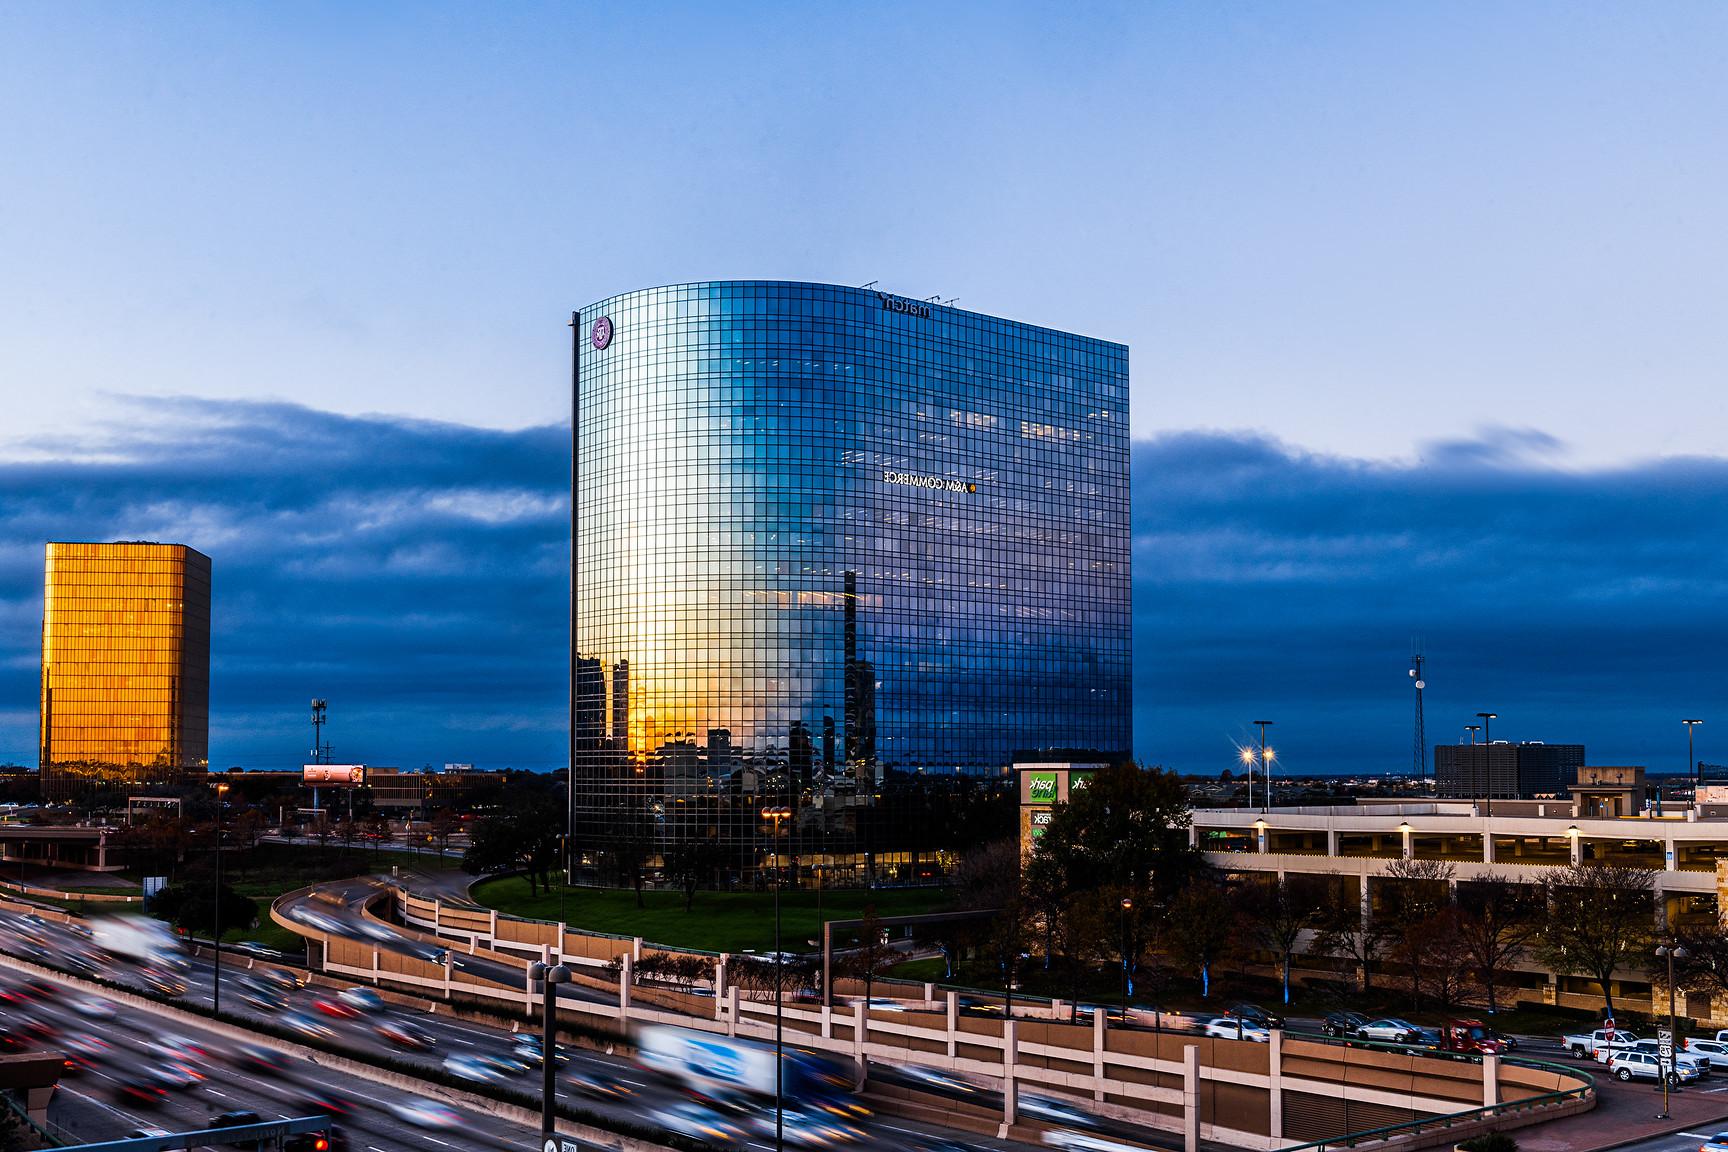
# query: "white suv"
(1645, 1066)
(1713, 1051)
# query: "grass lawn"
(718, 922)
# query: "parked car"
(1390, 1029)
(1645, 1066)
(1236, 1028)
(1715, 1051)
(1600, 1044)
(1681, 1057)
(1343, 1024)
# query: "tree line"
(1113, 887)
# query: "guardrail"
(1473, 1117)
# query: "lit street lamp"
(216, 973)
(1127, 984)
(1265, 769)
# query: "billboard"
(333, 775)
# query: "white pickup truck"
(1600, 1044)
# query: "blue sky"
(1458, 269)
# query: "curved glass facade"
(826, 535)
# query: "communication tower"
(320, 750)
(1420, 747)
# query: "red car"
(337, 1009)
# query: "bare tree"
(1599, 919)
(1203, 929)
(1352, 930)
(1501, 919)
(872, 954)
(1280, 909)
(1415, 897)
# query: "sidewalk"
(1626, 1114)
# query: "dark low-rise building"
(1504, 770)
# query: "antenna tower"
(1420, 745)
(320, 750)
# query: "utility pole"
(1265, 771)
(1692, 768)
(1488, 757)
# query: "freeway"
(129, 1046)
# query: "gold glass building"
(125, 667)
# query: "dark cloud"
(1270, 583)
(412, 573)
(415, 574)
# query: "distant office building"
(826, 535)
(125, 667)
(1506, 771)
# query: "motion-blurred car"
(1054, 1111)
(600, 1084)
(280, 977)
(425, 1113)
(313, 918)
(307, 1026)
(1236, 1028)
(164, 981)
(336, 1009)
(472, 1068)
(177, 1047)
(326, 1103)
(939, 1081)
(1716, 1143)
(700, 1122)
(405, 1034)
(175, 1076)
(254, 1058)
(141, 1091)
(530, 1052)
(804, 1129)
(94, 1008)
(362, 999)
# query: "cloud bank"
(414, 574)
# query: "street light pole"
(1126, 904)
(216, 972)
(777, 815)
(549, 976)
(1487, 757)
(1265, 771)
(1691, 762)
(1670, 952)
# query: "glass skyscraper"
(826, 535)
(125, 667)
